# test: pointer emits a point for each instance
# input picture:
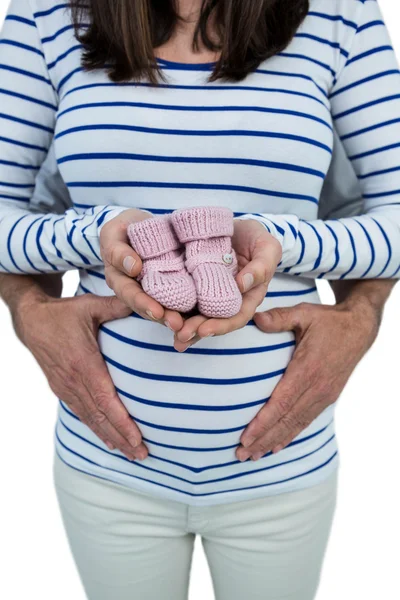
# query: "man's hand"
(258, 254)
(62, 336)
(331, 340)
(122, 264)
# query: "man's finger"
(82, 406)
(107, 308)
(288, 428)
(294, 383)
(104, 400)
(278, 320)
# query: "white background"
(363, 555)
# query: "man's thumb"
(109, 308)
(278, 320)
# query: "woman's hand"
(122, 264)
(259, 254)
(331, 340)
(62, 336)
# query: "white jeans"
(132, 546)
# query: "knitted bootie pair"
(188, 259)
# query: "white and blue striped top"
(262, 147)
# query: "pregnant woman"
(153, 107)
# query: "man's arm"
(331, 340)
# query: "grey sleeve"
(51, 195)
(341, 194)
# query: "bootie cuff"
(201, 223)
(153, 237)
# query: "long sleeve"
(32, 242)
(365, 106)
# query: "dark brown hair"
(121, 35)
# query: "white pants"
(132, 546)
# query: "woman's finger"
(131, 293)
(122, 257)
(183, 346)
(190, 329)
(262, 267)
(173, 320)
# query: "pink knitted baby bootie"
(206, 232)
(163, 276)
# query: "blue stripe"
(49, 11)
(369, 25)
(198, 351)
(382, 172)
(191, 160)
(320, 245)
(337, 254)
(25, 122)
(193, 407)
(22, 186)
(371, 128)
(183, 108)
(355, 109)
(355, 84)
(38, 245)
(21, 20)
(55, 35)
(15, 198)
(389, 246)
(64, 55)
(375, 151)
(195, 132)
(22, 46)
(9, 163)
(67, 78)
(382, 194)
(369, 53)
(70, 241)
(371, 245)
(211, 87)
(308, 59)
(9, 243)
(25, 73)
(185, 186)
(25, 245)
(28, 99)
(320, 40)
(194, 380)
(23, 144)
(333, 18)
(353, 245)
(54, 242)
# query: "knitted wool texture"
(210, 258)
(163, 275)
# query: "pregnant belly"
(204, 398)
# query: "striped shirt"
(262, 147)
